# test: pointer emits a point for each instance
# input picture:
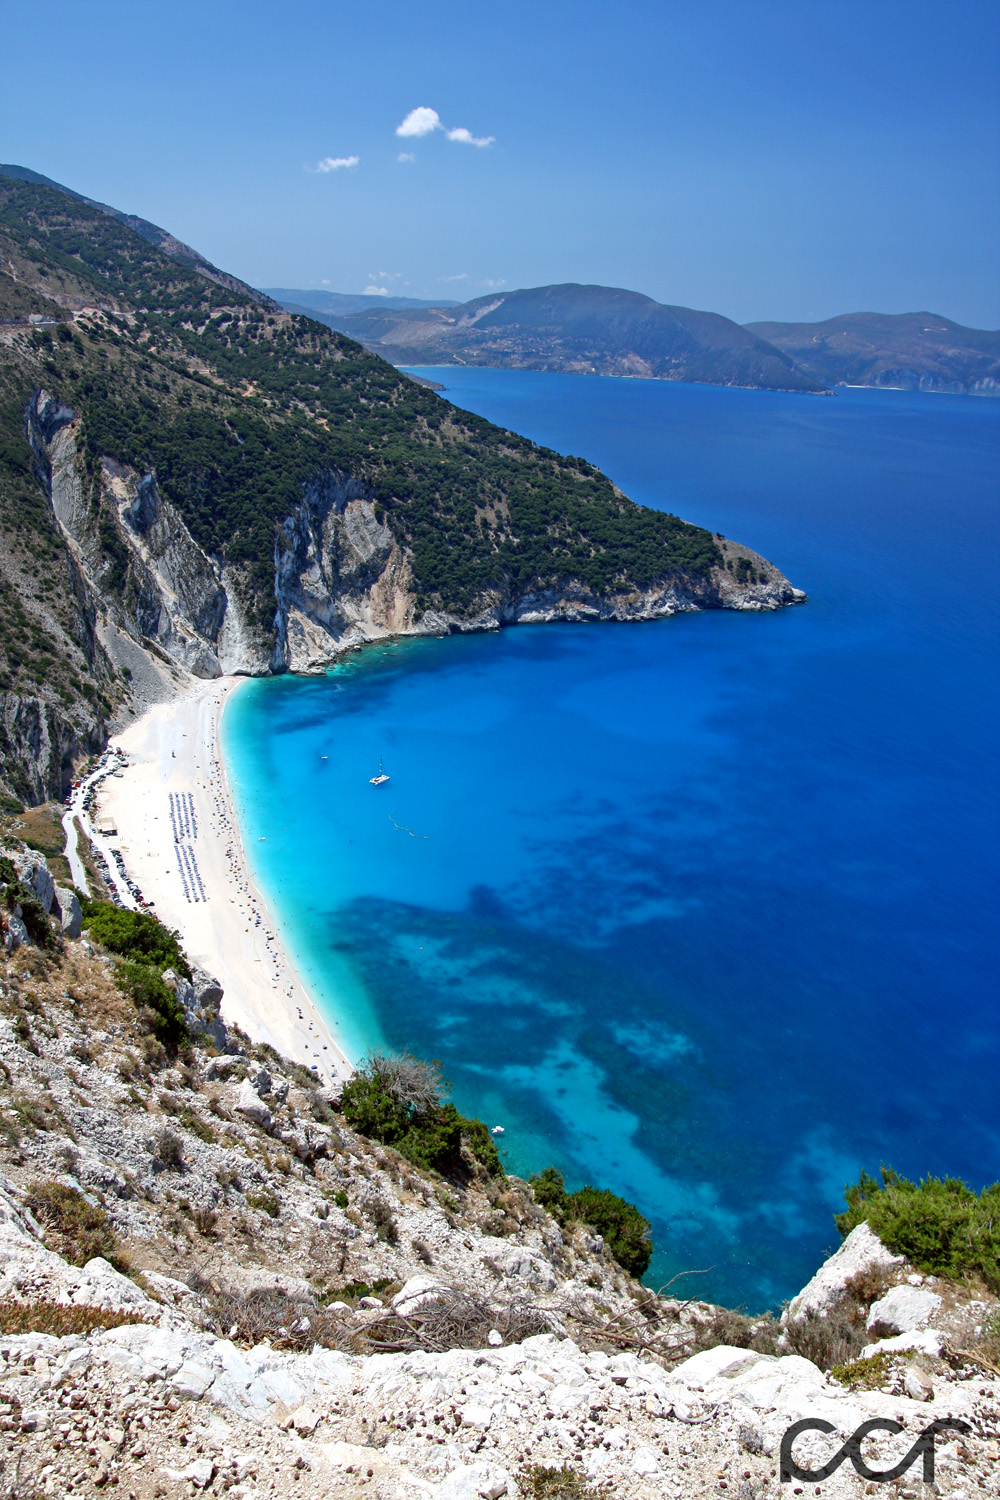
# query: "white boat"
(497, 1130)
(381, 778)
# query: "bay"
(701, 910)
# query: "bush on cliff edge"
(145, 948)
(624, 1229)
(939, 1224)
(397, 1100)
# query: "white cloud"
(336, 164)
(424, 121)
(325, 281)
(494, 285)
(406, 156)
(375, 291)
(466, 138)
(420, 121)
(462, 276)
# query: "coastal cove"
(698, 910)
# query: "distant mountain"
(913, 351)
(298, 299)
(594, 330)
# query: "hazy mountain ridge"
(609, 331)
(909, 351)
(194, 481)
(578, 329)
(335, 304)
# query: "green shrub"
(76, 1228)
(59, 1320)
(396, 1100)
(155, 1001)
(135, 935)
(865, 1374)
(624, 1229)
(265, 1203)
(939, 1224)
(545, 1482)
(550, 1192)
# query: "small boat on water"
(497, 1130)
(381, 778)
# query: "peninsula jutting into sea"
(233, 488)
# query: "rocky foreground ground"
(209, 1283)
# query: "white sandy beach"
(174, 749)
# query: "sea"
(702, 910)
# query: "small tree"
(396, 1099)
(624, 1229)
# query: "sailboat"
(381, 778)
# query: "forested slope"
(188, 468)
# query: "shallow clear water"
(702, 910)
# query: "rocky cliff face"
(341, 577)
(39, 746)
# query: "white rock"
(922, 1341)
(902, 1309)
(35, 1420)
(221, 1067)
(35, 873)
(644, 1460)
(917, 1384)
(415, 1293)
(207, 990)
(494, 1338)
(16, 935)
(100, 1285)
(370, 1302)
(181, 988)
(169, 1287)
(70, 912)
(349, 1455)
(480, 1481)
(249, 1103)
(516, 1261)
(260, 1079)
(861, 1251)
(711, 1364)
(77, 1362)
(201, 1472)
(192, 1380)
(305, 1421)
(474, 1414)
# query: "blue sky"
(764, 159)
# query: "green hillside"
(237, 407)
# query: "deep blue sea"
(701, 910)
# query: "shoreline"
(200, 883)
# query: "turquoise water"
(702, 910)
